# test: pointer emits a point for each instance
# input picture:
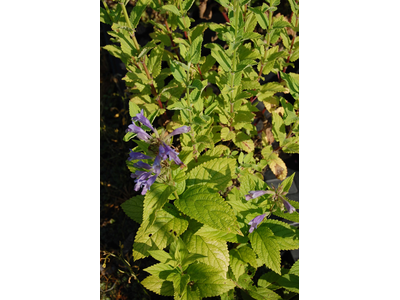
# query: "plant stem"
(291, 45)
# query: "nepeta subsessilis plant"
(202, 145)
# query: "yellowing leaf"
(278, 167)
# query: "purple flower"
(142, 165)
(142, 119)
(288, 206)
(180, 130)
(165, 150)
(143, 135)
(255, 222)
(255, 194)
(138, 155)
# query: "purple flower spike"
(180, 130)
(255, 194)
(137, 155)
(142, 119)
(148, 183)
(143, 135)
(141, 164)
(255, 222)
(289, 207)
(157, 165)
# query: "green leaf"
(158, 286)
(295, 268)
(160, 270)
(270, 89)
(239, 257)
(208, 207)
(216, 174)
(172, 8)
(278, 127)
(262, 18)
(261, 293)
(215, 251)
(133, 208)
(177, 71)
(208, 280)
(289, 282)
(289, 115)
(155, 199)
(227, 135)
(166, 227)
(220, 55)
(154, 64)
(194, 53)
(266, 247)
(292, 81)
(215, 234)
(161, 256)
(287, 183)
(104, 17)
(137, 12)
(187, 4)
(286, 237)
(244, 142)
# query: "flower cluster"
(257, 220)
(162, 150)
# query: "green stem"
(130, 26)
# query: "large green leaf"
(209, 280)
(208, 207)
(267, 248)
(217, 174)
(155, 199)
(212, 233)
(178, 71)
(239, 258)
(215, 251)
(278, 127)
(286, 236)
(292, 81)
(158, 286)
(166, 227)
(295, 268)
(194, 53)
(154, 64)
(172, 8)
(133, 208)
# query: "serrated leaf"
(158, 286)
(161, 256)
(187, 4)
(289, 115)
(104, 17)
(154, 64)
(215, 251)
(155, 199)
(216, 174)
(287, 183)
(292, 81)
(208, 207)
(133, 208)
(262, 18)
(220, 55)
(295, 268)
(239, 258)
(194, 52)
(286, 237)
(244, 142)
(278, 127)
(289, 282)
(164, 230)
(172, 8)
(208, 280)
(270, 89)
(261, 293)
(160, 270)
(265, 246)
(137, 12)
(178, 71)
(215, 234)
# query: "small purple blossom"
(142, 119)
(143, 135)
(138, 155)
(166, 151)
(289, 207)
(255, 194)
(142, 165)
(180, 130)
(255, 222)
